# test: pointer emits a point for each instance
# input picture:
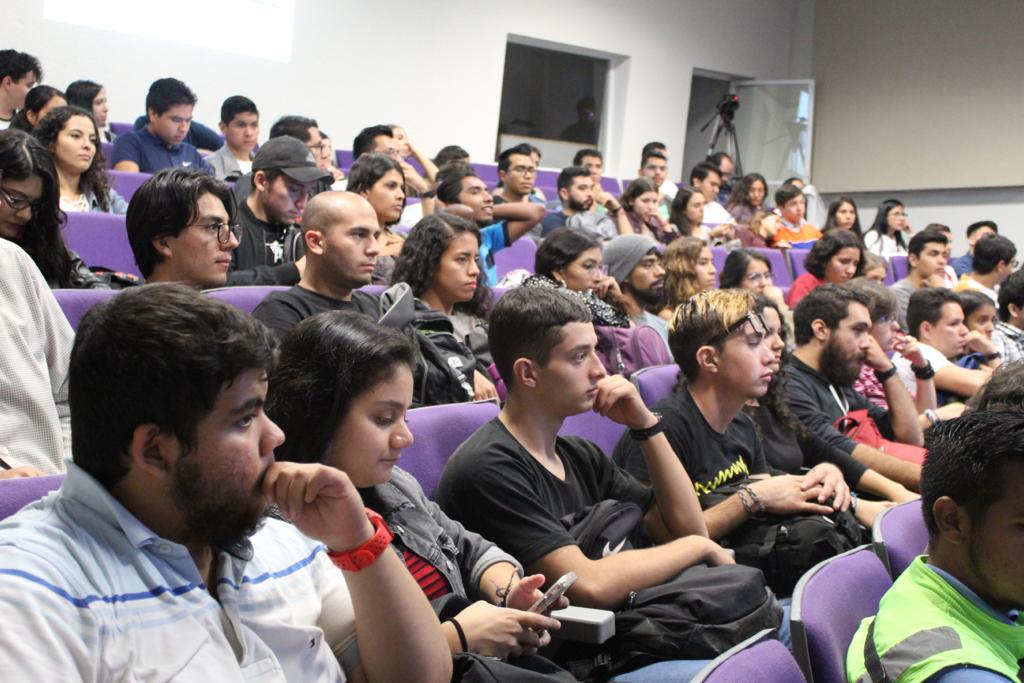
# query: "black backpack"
(444, 367)
(699, 614)
(785, 547)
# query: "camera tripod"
(723, 122)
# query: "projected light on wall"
(255, 28)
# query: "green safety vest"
(923, 626)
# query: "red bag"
(861, 427)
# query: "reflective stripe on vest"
(904, 654)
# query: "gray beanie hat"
(623, 253)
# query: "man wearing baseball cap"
(284, 173)
(634, 262)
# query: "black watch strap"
(923, 372)
(884, 375)
(645, 434)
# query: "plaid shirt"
(1010, 341)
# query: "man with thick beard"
(154, 559)
(832, 330)
(634, 262)
(576, 190)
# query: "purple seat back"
(120, 128)
(829, 602)
(902, 533)
(375, 290)
(101, 239)
(718, 256)
(593, 427)
(780, 270)
(758, 659)
(108, 154)
(245, 298)
(17, 493)
(611, 185)
(889, 278)
(127, 182)
(76, 302)
(656, 382)
(900, 266)
(487, 173)
(343, 157)
(520, 254)
(437, 431)
(796, 259)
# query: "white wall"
(955, 208)
(434, 67)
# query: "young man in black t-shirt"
(725, 350)
(340, 233)
(515, 477)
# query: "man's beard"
(839, 369)
(580, 207)
(652, 299)
(210, 514)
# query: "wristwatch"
(884, 375)
(923, 372)
(645, 434)
(365, 555)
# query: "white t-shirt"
(714, 215)
(245, 166)
(903, 369)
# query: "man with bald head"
(339, 230)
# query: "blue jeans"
(682, 670)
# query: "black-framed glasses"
(222, 230)
(319, 148)
(758, 278)
(18, 203)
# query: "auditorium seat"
(75, 303)
(900, 535)
(796, 260)
(437, 431)
(101, 239)
(120, 127)
(107, 148)
(520, 254)
(758, 659)
(656, 382)
(593, 427)
(17, 493)
(127, 182)
(824, 619)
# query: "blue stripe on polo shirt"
(109, 599)
(279, 574)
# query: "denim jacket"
(460, 555)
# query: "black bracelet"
(884, 375)
(461, 634)
(924, 372)
(995, 355)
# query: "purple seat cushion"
(17, 493)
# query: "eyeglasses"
(756, 321)
(523, 170)
(223, 230)
(17, 203)
(590, 267)
(758, 278)
(319, 148)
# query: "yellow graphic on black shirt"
(732, 471)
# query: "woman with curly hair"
(747, 198)
(836, 258)
(71, 136)
(30, 214)
(688, 269)
(440, 262)
(379, 179)
(40, 100)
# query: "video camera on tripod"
(728, 106)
